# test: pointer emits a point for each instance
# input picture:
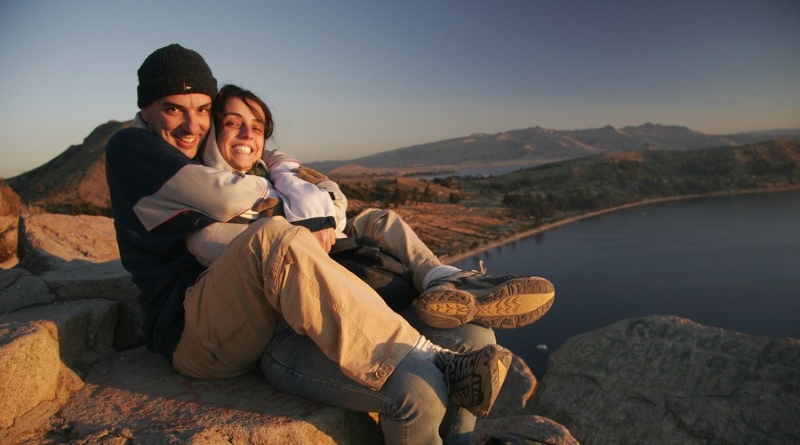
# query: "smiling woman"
(243, 123)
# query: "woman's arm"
(304, 203)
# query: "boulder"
(84, 330)
(8, 241)
(77, 279)
(68, 237)
(35, 383)
(669, 380)
(37, 261)
(20, 289)
(76, 257)
(517, 390)
(530, 427)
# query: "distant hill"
(537, 145)
(74, 181)
(610, 180)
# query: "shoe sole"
(511, 305)
(478, 394)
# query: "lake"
(731, 262)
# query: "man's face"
(241, 136)
(182, 120)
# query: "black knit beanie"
(172, 70)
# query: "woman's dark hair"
(248, 97)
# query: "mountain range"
(74, 181)
(537, 145)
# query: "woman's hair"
(248, 97)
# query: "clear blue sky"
(350, 78)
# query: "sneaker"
(474, 378)
(504, 302)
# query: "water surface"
(731, 262)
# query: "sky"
(346, 79)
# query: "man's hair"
(174, 69)
(247, 96)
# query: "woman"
(413, 406)
(242, 125)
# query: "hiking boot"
(504, 302)
(474, 378)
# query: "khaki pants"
(276, 270)
(386, 227)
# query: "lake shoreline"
(460, 256)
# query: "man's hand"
(309, 175)
(326, 238)
(269, 207)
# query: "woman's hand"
(326, 238)
(309, 175)
(269, 207)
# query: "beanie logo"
(186, 87)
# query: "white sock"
(425, 349)
(437, 273)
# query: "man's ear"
(145, 114)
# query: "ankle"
(437, 273)
(426, 349)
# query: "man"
(273, 282)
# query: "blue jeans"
(413, 403)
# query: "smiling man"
(180, 119)
(183, 119)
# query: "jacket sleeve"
(339, 202)
(208, 243)
(304, 203)
(173, 184)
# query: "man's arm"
(160, 182)
(209, 243)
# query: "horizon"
(355, 79)
(788, 130)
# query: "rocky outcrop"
(520, 426)
(74, 371)
(34, 355)
(74, 182)
(10, 208)
(80, 237)
(668, 380)
(160, 406)
(8, 241)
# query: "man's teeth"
(242, 149)
(186, 139)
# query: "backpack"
(382, 271)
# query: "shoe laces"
(461, 276)
(456, 366)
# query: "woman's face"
(241, 135)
